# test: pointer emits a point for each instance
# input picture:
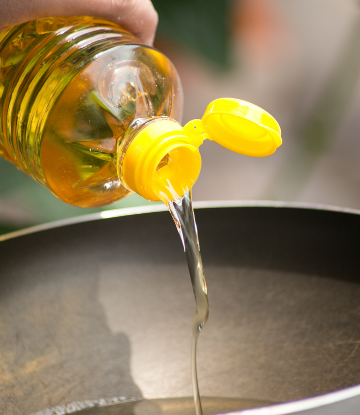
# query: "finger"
(137, 16)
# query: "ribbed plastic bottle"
(92, 114)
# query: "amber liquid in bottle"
(70, 89)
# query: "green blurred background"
(298, 59)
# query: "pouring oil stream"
(183, 214)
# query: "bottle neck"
(158, 160)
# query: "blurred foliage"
(200, 25)
(37, 204)
(7, 228)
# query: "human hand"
(137, 16)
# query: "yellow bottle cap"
(162, 161)
(239, 126)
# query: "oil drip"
(183, 214)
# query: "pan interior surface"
(104, 308)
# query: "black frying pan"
(103, 308)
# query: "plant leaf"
(201, 25)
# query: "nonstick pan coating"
(103, 308)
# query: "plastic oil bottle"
(92, 114)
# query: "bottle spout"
(162, 161)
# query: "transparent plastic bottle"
(92, 114)
(70, 88)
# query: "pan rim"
(300, 406)
(157, 207)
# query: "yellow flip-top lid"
(239, 126)
(162, 161)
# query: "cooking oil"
(70, 88)
(183, 214)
